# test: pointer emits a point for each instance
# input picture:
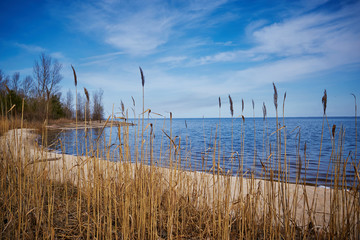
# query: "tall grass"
(46, 195)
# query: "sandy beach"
(304, 202)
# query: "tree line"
(38, 97)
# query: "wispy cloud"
(309, 34)
(37, 49)
(103, 56)
(297, 46)
(280, 71)
(220, 57)
(172, 59)
(100, 59)
(138, 27)
(57, 55)
(30, 48)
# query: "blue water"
(234, 143)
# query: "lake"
(229, 143)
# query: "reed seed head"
(231, 106)
(133, 100)
(264, 110)
(355, 102)
(353, 95)
(253, 104)
(284, 102)
(324, 101)
(275, 96)
(142, 77)
(122, 106)
(219, 102)
(75, 78)
(86, 94)
(7, 88)
(333, 130)
(242, 105)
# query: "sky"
(193, 52)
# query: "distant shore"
(87, 124)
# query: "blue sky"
(193, 52)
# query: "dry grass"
(15, 123)
(86, 197)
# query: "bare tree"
(27, 86)
(15, 81)
(3, 81)
(68, 105)
(47, 75)
(98, 109)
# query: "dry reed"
(91, 198)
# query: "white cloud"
(100, 59)
(279, 71)
(102, 56)
(172, 59)
(310, 34)
(57, 55)
(37, 49)
(140, 34)
(219, 57)
(308, 5)
(138, 27)
(30, 48)
(298, 46)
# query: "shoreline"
(65, 167)
(87, 124)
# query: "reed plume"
(275, 97)
(86, 94)
(133, 100)
(264, 110)
(242, 105)
(122, 107)
(219, 102)
(231, 106)
(7, 88)
(75, 78)
(142, 77)
(355, 103)
(324, 101)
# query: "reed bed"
(49, 195)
